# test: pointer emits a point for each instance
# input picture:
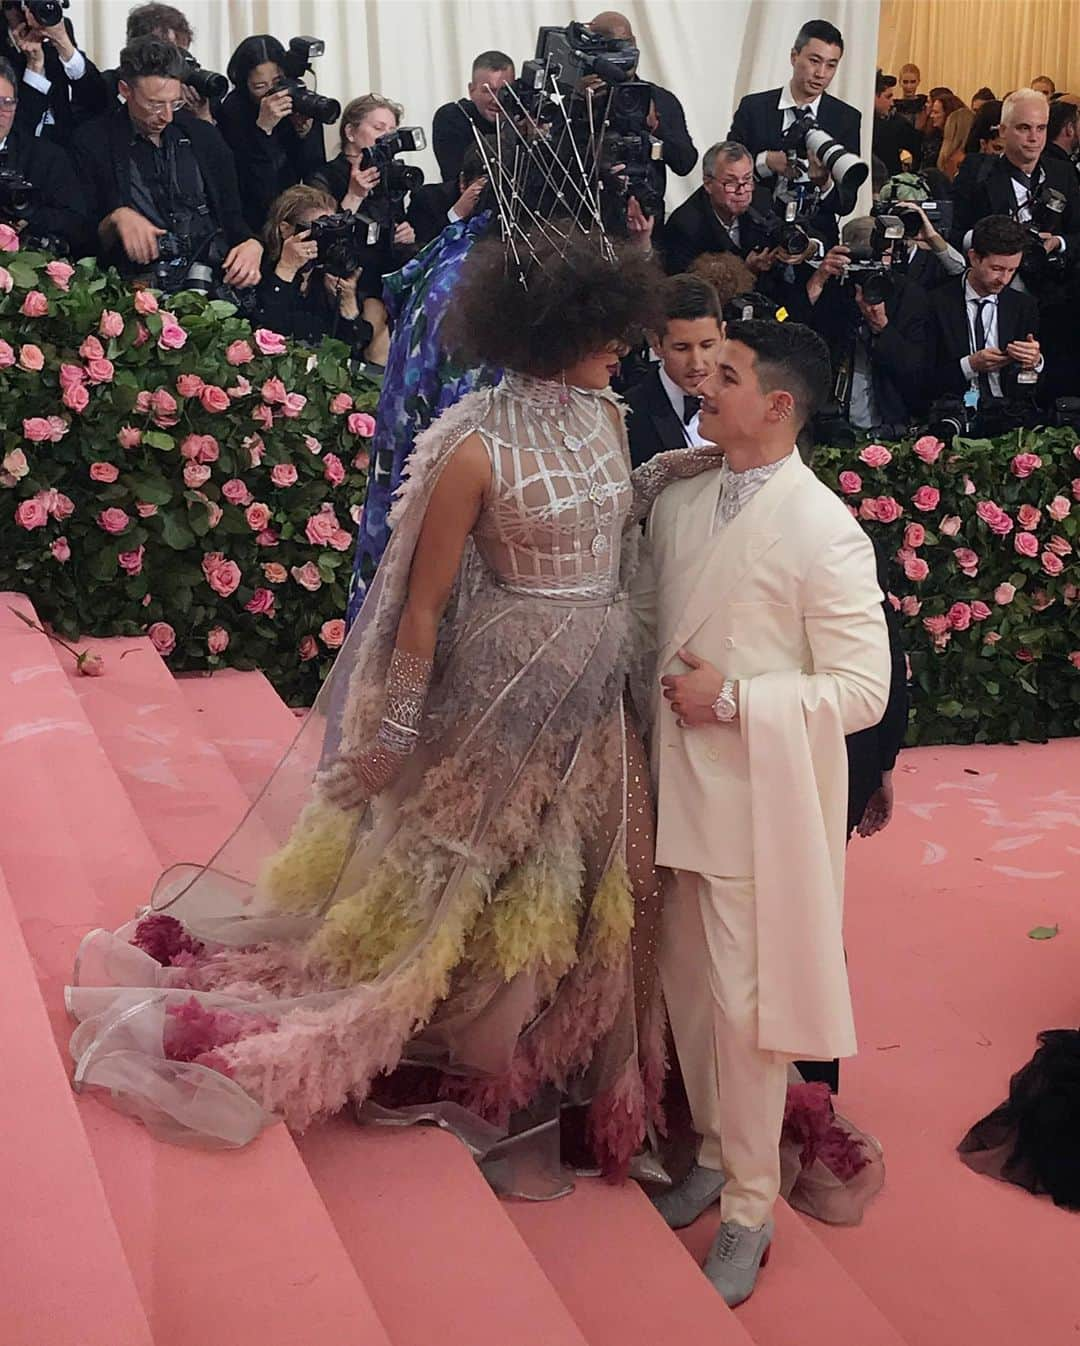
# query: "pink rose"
(929, 448)
(32, 514)
(875, 455)
(340, 403)
(1075, 484)
(106, 472)
(239, 353)
(1025, 656)
(113, 520)
(916, 569)
(261, 603)
(142, 335)
(1059, 545)
(15, 464)
(967, 560)
(1074, 658)
(71, 376)
(209, 449)
(224, 579)
(312, 444)
(236, 493)
(959, 616)
(110, 324)
(910, 606)
(256, 448)
(7, 280)
(307, 648)
(1028, 516)
(214, 512)
(36, 429)
(60, 273)
(320, 528)
(258, 516)
(7, 355)
(950, 525)
(100, 371)
(35, 305)
(888, 509)
(991, 637)
(994, 517)
(332, 633)
(131, 561)
(165, 408)
(1070, 594)
(163, 638)
(128, 437)
(144, 510)
(61, 550)
(1052, 564)
(333, 469)
(850, 483)
(293, 405)
(9, 239)
(1027, 544)
(1059, 508)
(143, 402)
(58, 505)
(267, 538)
(363, 459)
(145, 302)
(979, 610)
(32, 359)
(90, 665)
(270, 343)
(263, 416)
(905, 554)
(284, 474)
(58, 428)
(1024, 464)
(173, 337)
(241, 388)
(273, 391)
(189, 385)
(196, 474)
(1041, 600)
(1004, 594)
(217, 640)
(926, 498)
(341, 539)
(76, 399)
(969, 486)
(360, 423)
(307, 576)
(92, 349)
(937, 626)
(275, 573)
(914, 535)
(214, 399)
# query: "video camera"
(306, 102)
(1038, 266)
(847, 170)
(343, 240)
(575, 51)
(206, 83)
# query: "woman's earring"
(564, 392)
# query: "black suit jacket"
(428, 210)
(61, 208)
(693, 229)
(1018, 314)
(452, 133)
(984, 186)
(71, 102)
(652, 424)
(266, 164)
(680, 152)
(759, 125)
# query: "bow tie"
(691, 407)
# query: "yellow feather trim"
(301, 876)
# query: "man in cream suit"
(762, 593)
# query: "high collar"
(787, 101)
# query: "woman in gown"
(464, 911)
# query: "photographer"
(763, 119)
(302, 294)
(275, 146)
(154, 183)
(437, 204)
(60, 87)
(1062, 139)
(876, 324)
(985, 334)
(456, 125)
(893, 135)
(365, 120)
(52, 214)
(931, 258)
(727, 213)
(169, 24)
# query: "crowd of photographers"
(947, 304)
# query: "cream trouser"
(708, 963)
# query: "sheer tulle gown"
(478, 938)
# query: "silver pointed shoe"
(691, 1197)
(736, 1257)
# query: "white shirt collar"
(970, 296)
(675, 394)
(786, 101)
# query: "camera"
(1038, 267)
(790, 228)
(306, 102)
(628, 141)
(47, 13)
(206, 83)
(342, 240)
(17, 195)
(528, 94)
(743, 307)
(868, 266)
(386, 204)
(402, 140)
(575, 51)
(847, 170)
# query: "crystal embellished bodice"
(552, 524)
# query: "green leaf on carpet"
(1043, 932)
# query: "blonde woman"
(954, 137)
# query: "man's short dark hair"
(684, 298)
(790, 356)
(824, 32)
(7, 71)
(1061, 115)
(984, 95)
(151, 58)
(998, 236)
(156, 20)
(492, 60)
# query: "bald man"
(666, 122)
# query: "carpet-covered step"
(225, 1249)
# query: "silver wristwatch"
(725, 707)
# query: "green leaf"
(1044, 932)
(157, 439)
(153, 490)
(175, 533)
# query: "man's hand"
(879, 809)
(1026, 353)
(467, 201)
(29, 42)
(404, 235)
(198, 107)
(639, 225)
(692, 695)
(1051, 242)
(243, 264)
(652, 121)
(874, 315)
(989, 360)
(274, 108)
(761, 260)
(776, 161)
(57, 34)
(302, 125)
(138, 237)
(818, 173)
(830, 266)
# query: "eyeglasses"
(8, 104)
(735, 184)
(157, 106)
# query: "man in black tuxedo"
(893, 135)
(452, 131)
(1063, 133)
(727, 213)
(983, 331)
(664, 406)
(762, 119)
(436, 204)
(59, 87)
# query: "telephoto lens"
(307, 103)
(48, 13)
(206, 83)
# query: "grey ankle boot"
(691, 1197)
(735, 1258)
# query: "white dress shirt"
(990, 327)
(74, 68)
(676, 397)
(1024, 211)
(737, 489)
(788, 107)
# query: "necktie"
(691, 407)
(985, 391)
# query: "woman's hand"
(297, 251)
(362, 182)
(302, 125)
(274, 108)
(404, 235)
(342, 289)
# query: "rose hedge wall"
(170, 471)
